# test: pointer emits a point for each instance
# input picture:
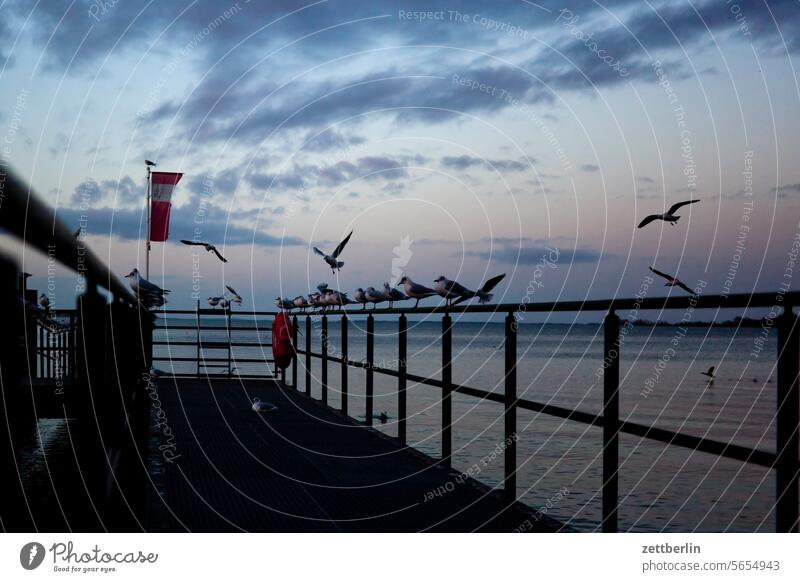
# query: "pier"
(305, 467)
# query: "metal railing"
(228, 361)
(784, 460)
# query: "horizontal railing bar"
(211, 312)
(234, 360)
(720, 449)
(648, 303)
(213, 328)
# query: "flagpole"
(149, 210)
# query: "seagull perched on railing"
(282, 303)
(300, 302)
(360, 297)
(672, 281)
(208, 246)
(392, 295)
(214, 301)
(332, 259)
(483, 294)
(451, 290)
(668, 216)
(374, 296)
(237, 299)
(415, 290)
(45, 303)
(149, 294)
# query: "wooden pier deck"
(303, 468)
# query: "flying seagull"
(208, 246)
(483, 294)
(672, 281)
(150, 294)
(709, 373)
(450, 289)
(332, 259)
(236, 297)
(668, 216)
(415, 290)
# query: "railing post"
(402, 349)
(447, 387)
(324, 342)
(199, 347)
(344, 364)
(786, 474)
(308, 355)
(295, 383)
(610, 422)
(370, 373)
(510, 408)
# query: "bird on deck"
(333, 259)
(259, 406)
(374, 296)
(451, 290)
(149, 294)
(392, 295)
(208, 246)
(483, 294)
(673, 281)
(416, 290)
(668, 216)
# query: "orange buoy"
(282, 348)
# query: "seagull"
(415, 290)
(668, 216)
(149, 163)
(709, 373)
(374, 296)
(483, 294)
(450, 289)
(156, 373)
(259, 406)
(236, 297)
(334, 298)
(150, 294)
(332, 259)
(672, 281)
(361, 297)
(300, 302)
(208, 246)
(45, 303)
(224, 303)
(392, 295)
(214, 301)
(281, 303)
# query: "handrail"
(23, 214)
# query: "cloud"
(465, 162)
(787, 189)
(124, 192)
(590, 168)
(330, 139)
(526, 251)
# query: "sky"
(464, 139)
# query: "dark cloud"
(530, 252)
(330, 139)
(787, 189)
(590, 168)
(465, 162)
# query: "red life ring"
(282, 348)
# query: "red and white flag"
(162, 185)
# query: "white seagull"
(214, 301)
(259, 406)
(208, 246)
(281, 303)
(225, 303)
(672, 281)
(392, 295)
(374, 296)
(332, 259)
(450, 289)
(150, 294)
(300, 302)
(361, 297)
(668, 216)
(415, 290)
(483, 294)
